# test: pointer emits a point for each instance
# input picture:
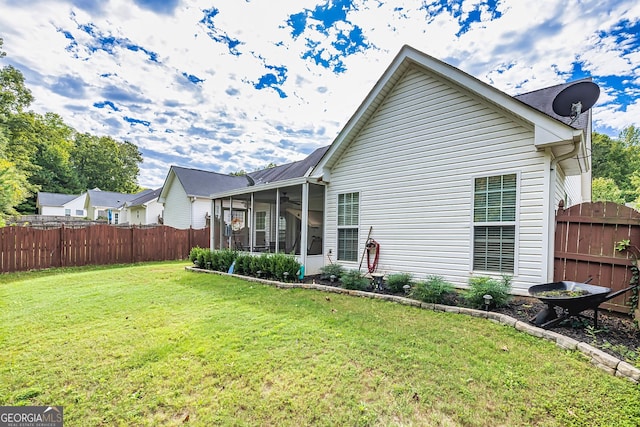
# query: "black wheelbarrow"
(572, 298)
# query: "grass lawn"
(155, 345)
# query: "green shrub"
(500, 291)
(331, 270)
(433, 290)
(243, 264)
(200, 258)
(208, 256)
(225, 259)
(283, 263)
(193, 253)
(353, 279)
(397, 281)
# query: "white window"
(348, 221)
(494, 223)
(79, 212)
(67, 212)
(261, 229)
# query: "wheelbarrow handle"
(620, 292)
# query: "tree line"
(43, 153)
(615, 166)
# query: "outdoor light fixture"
(286, 275)
(259, 273)
(332, 278)
(487, 301)
(406, 288)
(377, 280)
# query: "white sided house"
(450, 176)
(186, 195)
(107, 204)
(57, 204)
(143, 210)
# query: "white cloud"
(531, 45)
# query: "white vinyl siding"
(177, 206)
(494, 223)
(413, 163)
(348, 214)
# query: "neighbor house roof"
(108, 199)
(289, 170)
(199, 183)
(144, 197)
(55, 199)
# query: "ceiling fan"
(285, 199)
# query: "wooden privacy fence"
(26, 248)
(585, 246)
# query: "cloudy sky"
(225, 85)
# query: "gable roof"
(289, 170)
(144, 197)
(109, 199)
(200, 183)
(549, 130)
(55, 199)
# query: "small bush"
(208, 256)
(193, 253)
(397, 281)
(243, 264)
(353, 279)
(200, 258)
(331, 270)
(283, 263)
(500, 290)
(433, 290)
(225, 259)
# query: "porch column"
(305, 223)
(221, 226)
(212, 224)
(251, 223)
(230, 221)
(277, 220)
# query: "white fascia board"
(262, 187)
(560, 135)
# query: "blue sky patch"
(136, 121)
(218, 35)
(349, 39)
(193, 79)
(106, 104)
(273, 80)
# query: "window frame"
(515, 223)
(350, 226)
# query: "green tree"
(617, 159)
(14, 95)
(14, 188)
(605, 190)
(105, 163)
(14, 98)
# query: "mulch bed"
(616, 334)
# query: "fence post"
(62, 246)
(133, 254)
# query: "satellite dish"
(576, 99)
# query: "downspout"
(549, 233)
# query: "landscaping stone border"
(597, 357)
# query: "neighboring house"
(186, 195)
(108, 204)
(57, 204)
(451, 176)
(143, 210)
